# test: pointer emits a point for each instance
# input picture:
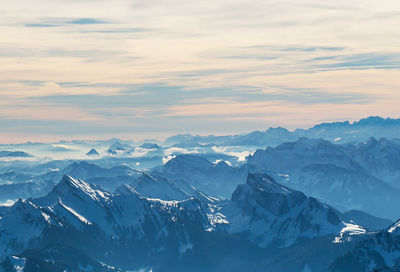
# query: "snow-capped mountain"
(333, 173)
(155, 186)
(268, 212)
(195, 203)
(40, 185)
(87, 170)
(126, 220)
(129, 231)
(375, 252)
(218, 180)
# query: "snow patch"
(80, 217)
(167, 159)
(18, 263)
(46, 217)
(394, 227)
(348, 231)
(8, 203)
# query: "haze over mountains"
(273, 199)
(344, 132)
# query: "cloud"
(369, 60)
(86, 21)
(117, 30)
(162, 67)
(59, 22)
(41, 25)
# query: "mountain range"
(363, 176)
(264, 222)
(343, 132)
(322, 199)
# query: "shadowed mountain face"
(345, 176)
(270, 212)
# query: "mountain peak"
(189, 160)
(372, 141)
(264, 183)
(283, 213)
(75, 183)
(78, 187)
(263, 192)
(93, 152)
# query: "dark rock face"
(275, 212)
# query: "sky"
(134, 69)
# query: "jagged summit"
(70, 189)
(76, 183)
(270, 212)
(70, 182)
(263, 192)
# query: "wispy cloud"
(86, 21)
(59, 22)
(169, 66)
(370, 60)
(117, 30)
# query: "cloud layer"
(134, 68)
